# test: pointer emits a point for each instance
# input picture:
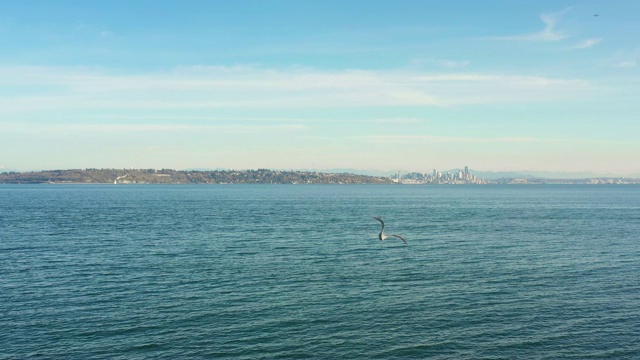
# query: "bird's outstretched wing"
(377, 218)
(400, 237)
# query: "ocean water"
(297, 271)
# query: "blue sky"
(386, 85)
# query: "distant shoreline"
(259, 176)
(166, 176)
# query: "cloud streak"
(148, 128)
(627, 64)
(478, 140)
(547, 34)
(587, 43)
(208, 88)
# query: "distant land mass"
(489, 175)
(167, 176)
(266, 176)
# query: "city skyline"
(540, 86)
(296, 177)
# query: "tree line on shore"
(168, 176)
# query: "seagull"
(383, 236)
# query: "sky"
(286, 84)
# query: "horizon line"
(583, 174)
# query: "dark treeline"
(167, 176)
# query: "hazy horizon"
(488, 174)
(502, 86)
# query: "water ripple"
(251, 272)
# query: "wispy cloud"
(147, 128)
(627, 64)
(444, 139)
(92, 30)
(207, 88)
(477, 140)
(444, 63)
(397, 121)
(585, 44)
(626, 59)
(548, 33)
(452, 64)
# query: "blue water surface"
(297, 271)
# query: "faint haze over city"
(546, 86)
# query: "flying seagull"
(383, 236)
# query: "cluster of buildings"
(461, 176)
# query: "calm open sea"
(297, 271)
